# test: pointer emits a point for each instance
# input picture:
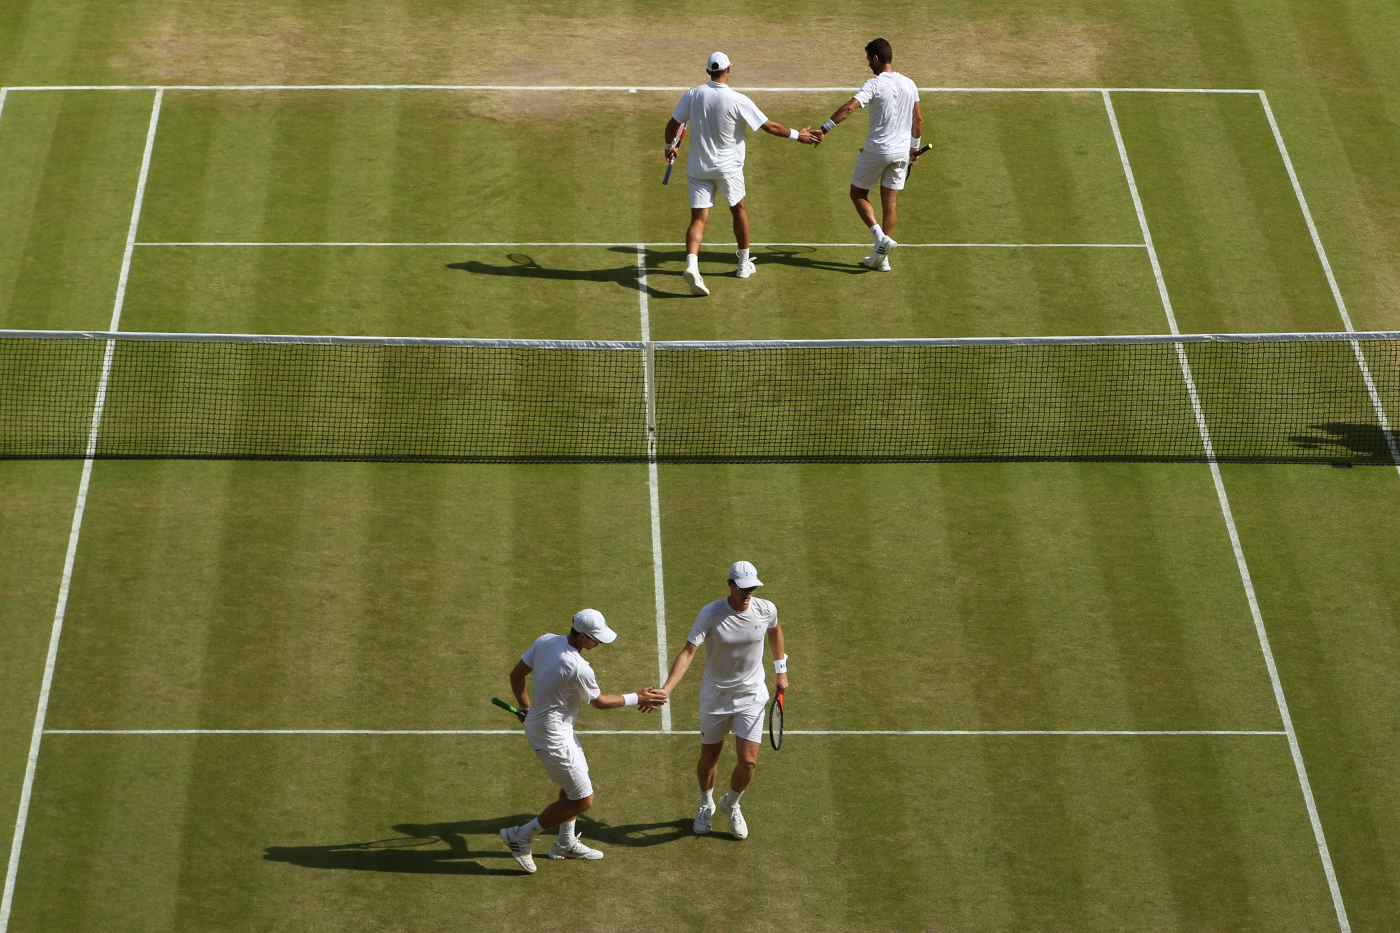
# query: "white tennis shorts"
(880, 169)
(728, 184)
(746, 724)
(566, 766)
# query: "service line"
(671, 245)
(663, 731)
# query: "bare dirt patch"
(223, 42)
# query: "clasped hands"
(651, 698)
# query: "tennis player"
(718, 115)
(734, 693)
(891, 145)
(563, 682)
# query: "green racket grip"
(506, 706)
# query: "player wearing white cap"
(734, 692)
(892, 144)
(563, 681)
(717, 116)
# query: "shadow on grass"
(522, 265)
(452, 849)
(1363, 441)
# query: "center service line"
(654, 492)
(1225, 510)
(65, 581)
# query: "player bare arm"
(517, 686)
(842, 112)
(647, 700)
(917, 131)
(803, 135)
(673, 127)
(779, 649)
(679, 667)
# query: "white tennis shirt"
(891, 98)
(734, 677)
(717, 116)
(563, 682)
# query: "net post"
(650, 367)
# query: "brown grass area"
(223, 42)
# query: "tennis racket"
(508, 708)
(775, 722)
(671, 162)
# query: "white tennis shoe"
(746, 269)
(703, 818)
(886, 246)
(520, 848)
(737, 825)
(878, 263)
(575, 849)
(696, 283)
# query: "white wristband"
(780, 665)
(629, 699)
(828, 126)
(793, 134)
(915, 142)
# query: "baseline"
(1243, 568)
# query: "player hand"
(805, 135)
(671, 152)
(913, 156)
(819, 137)
(782, 683)
(650, 699)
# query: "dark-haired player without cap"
(734, 692)
(892, 144)
(717, 116)
(563, 682)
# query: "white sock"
(731, 798)
(877, 233)
(566, 832)
(707, 798)
(530, 830)
(743, 256)
(692, 261)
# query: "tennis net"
(1282, 398)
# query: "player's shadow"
(798, 256)
(1358, 441)
(454, 849)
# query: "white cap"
(591, 623)
(717, 63)
(744, 575)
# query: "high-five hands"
(649, 699)
(807, 136)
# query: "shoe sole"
(697, 287)
(525, 867)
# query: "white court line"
(1225, 510)
(1331, 281)
(678, 245)
(630, 88)
(61, 608)
(4, 92)
(951, 732)
(654, 494)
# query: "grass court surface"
(1025, 697)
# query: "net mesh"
(1297, 399)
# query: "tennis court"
(1025, 695)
